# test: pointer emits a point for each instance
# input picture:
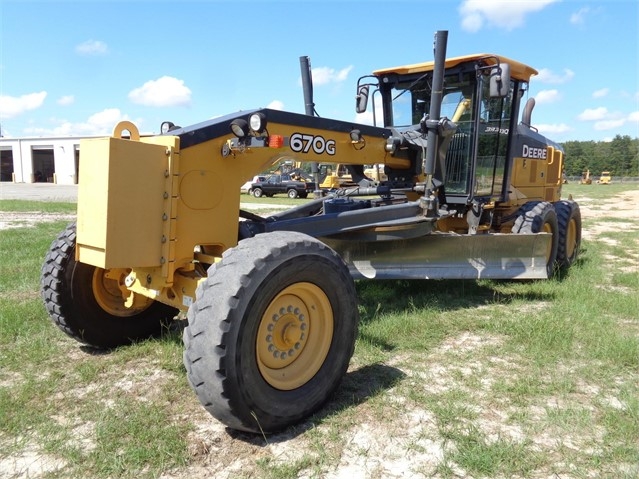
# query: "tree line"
(620, 156)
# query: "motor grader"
(337, 176)
(471, 192)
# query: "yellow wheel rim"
(294, 336)
(571, 238)
(548, 229)
(110, 293)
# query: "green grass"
(139, 438)
(595, 191)
(275, 200)
(449, 379)
(487, 458)
(42, 206)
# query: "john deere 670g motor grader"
(272, 310)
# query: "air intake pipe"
(309, 106)
(526, 117)
(441, 38)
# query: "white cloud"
(548, 76)
(608, 124)
(92, 47)
(65, 128)
(607, 120)
(12, 106)
(505, 14)
(105, 119)
(325, 75)
(165, 91)
(600, 93)
(553, 129)
(593, 114)
(66, 100)
(366, 118)
(471, 22)
(275, 105)
(547, 96)
(579, 17)
(100, 123)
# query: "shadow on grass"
(171, 333)
(356, 388)
(565, 273)
(396, 296)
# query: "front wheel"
(87, 303)
(540, 217)
(271, 332)
(257, 192)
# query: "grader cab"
(469, 191)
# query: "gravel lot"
(38, 191)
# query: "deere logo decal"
(537, 153)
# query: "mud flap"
(448, 256)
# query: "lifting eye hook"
(121, 127)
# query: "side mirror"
(500, 81)
(361, 100)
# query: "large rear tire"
(271, 331)
(569, 220)
(87, 303)
(540, 217)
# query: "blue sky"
(77, 68)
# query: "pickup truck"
(283, 184)
(247, 187)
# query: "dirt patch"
(624, 206)
(30, 462)
(12, 219)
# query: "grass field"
(449, 378)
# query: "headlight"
(239, 127)
(356, 136)
(257, 122)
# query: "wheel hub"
(286, 336)
(294, 336)
(112, 295)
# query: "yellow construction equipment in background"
(605, 178)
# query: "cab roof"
(518, 70)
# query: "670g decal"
(302, 143)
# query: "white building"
(40, 160)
